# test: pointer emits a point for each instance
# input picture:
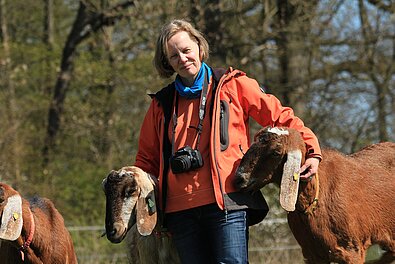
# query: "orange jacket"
(224, 138)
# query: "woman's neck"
(188, 81)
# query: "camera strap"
(202, 111)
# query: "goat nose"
(113, 232)
(117, 230)
(240, 181)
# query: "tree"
(10, 98)
(380, 64)
(88, 21)
(48, 40)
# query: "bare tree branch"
(87, 21)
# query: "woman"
(193, 137)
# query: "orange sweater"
(236, 98)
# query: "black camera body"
(186, 159)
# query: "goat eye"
(276, 153)
(130, 191)
(128, 194)
(262, 139)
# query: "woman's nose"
(183, 57)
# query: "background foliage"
(74, 78)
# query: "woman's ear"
(201, 55)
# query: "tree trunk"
(284, 53)
(13, 123)
(86, 22)
(48, 39)
(380, 79)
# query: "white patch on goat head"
(278, 131)
(129, 203)
(11, 220)
(124, 173)
(127, 209)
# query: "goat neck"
(308, 196)
(24, 246)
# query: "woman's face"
(183, 56)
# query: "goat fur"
(128, 217)
(356, 206)
(51, 241)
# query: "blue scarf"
(195, 90)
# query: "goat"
(131, 212)
(348, 205)
(32, 231)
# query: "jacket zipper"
(216, 97)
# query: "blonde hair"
(161, 62)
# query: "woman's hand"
(309, 168)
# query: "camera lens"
(180, 164)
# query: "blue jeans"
(207, 235)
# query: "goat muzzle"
(116, 233)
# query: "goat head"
(275, 156)
(130, 199)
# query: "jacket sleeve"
(267, 110)
(148, 155)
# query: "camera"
(186, 159)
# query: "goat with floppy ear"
(32, 231)
(131, 213)
(136, 188)
(346, 207)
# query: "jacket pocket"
(224, 125)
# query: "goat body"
(355, 194)
(41, 225)
(131, 214)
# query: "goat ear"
(103, 184)
(146, 214)
(290, 180)
(11, 219)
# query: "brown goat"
(348, 205)
(131, 212)
(32, 231)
